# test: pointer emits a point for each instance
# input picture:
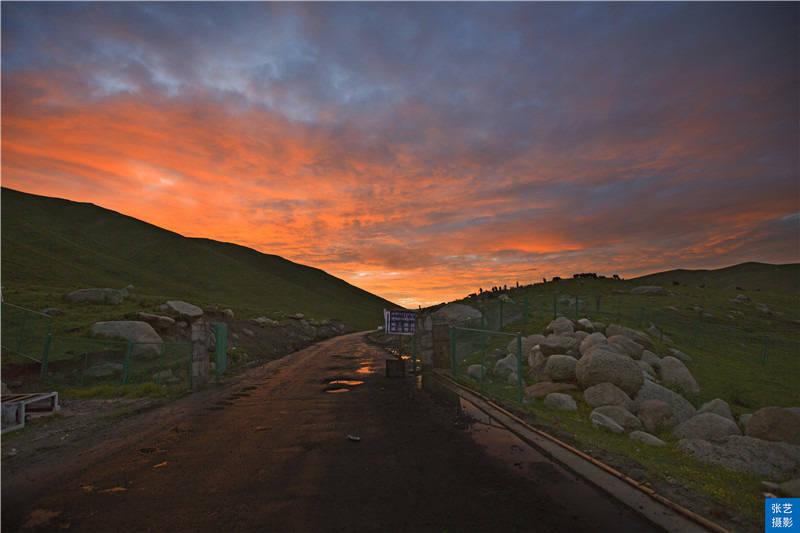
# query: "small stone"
(646, 438)
(557, 400)
(601, 421)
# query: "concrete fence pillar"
(201, 369)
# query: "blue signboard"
(400, 322)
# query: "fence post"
(764, 351)
(126, 367)
(45, 354)
(519, 367)
(453, 350)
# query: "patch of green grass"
(139, 390)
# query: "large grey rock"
(656, 416)
(542, 389)
(631, 348)
(457, 313)
(591, 341)
(717, 406)
(536, 338)
(601, 421)
(607, 394)
(776, 424)
(184, 309)
(773, 460)
(584, 324)
(706, 426)
(537, 362)
(558, 400)
(130, 330)
(525, 345)
(476, 371)
(554, 344)
(579, 336)
(650, 290)
(680, 355)
(506, 366)
(560, 367)
(620, 415)
(744, 420)
(675, 375)
(651, 359)
(159, 322)
(633, 334)
(680, 405)
(98, 296)
(601, 366)
(646, 438)
(560, 326)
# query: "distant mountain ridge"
(56, 245)
(748, 276)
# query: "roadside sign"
(400, 322)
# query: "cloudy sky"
(420, 151)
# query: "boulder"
(590, 341)
(646, 438)
(560, 326)
(183, 309)
(607, 394)
(104, 370)
(681, 407)
(650, 290)
(98, 296)
(554, 344)
(558, 400)
(677, 354)
(512, 378)
(631, 348)
(560, 367)
(542, 389)
(599, 327)
(537, 362)
(676, 376)
(620, 415)
(476, 371)
(228, 313)
(776, 424)
(536, 338)
(717, 406)
(130, 330)
(525, 345)
(584, 324)
(601, 421)
(579, 336)
(457, 313)
(633, 334)
(263, 321)
(602, 365)
(651, 359)
(773, 460)
(706, 426)
(506, 366)
(159, 322)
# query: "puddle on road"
(522, 458)
(346, 382)
(334, 391)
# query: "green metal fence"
(488, 359)
(82, 362)
(24, 332)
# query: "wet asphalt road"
(271, 453)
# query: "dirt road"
(270, 452)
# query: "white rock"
(558, 400)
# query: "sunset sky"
(421, 151)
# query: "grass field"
(52, 246)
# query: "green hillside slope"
(51, 246)
(748, 276)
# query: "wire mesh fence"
(83, 362)
(23, 332)
(490, 360)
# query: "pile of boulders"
(635, 391)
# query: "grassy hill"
(51, 246)
(748, 276)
